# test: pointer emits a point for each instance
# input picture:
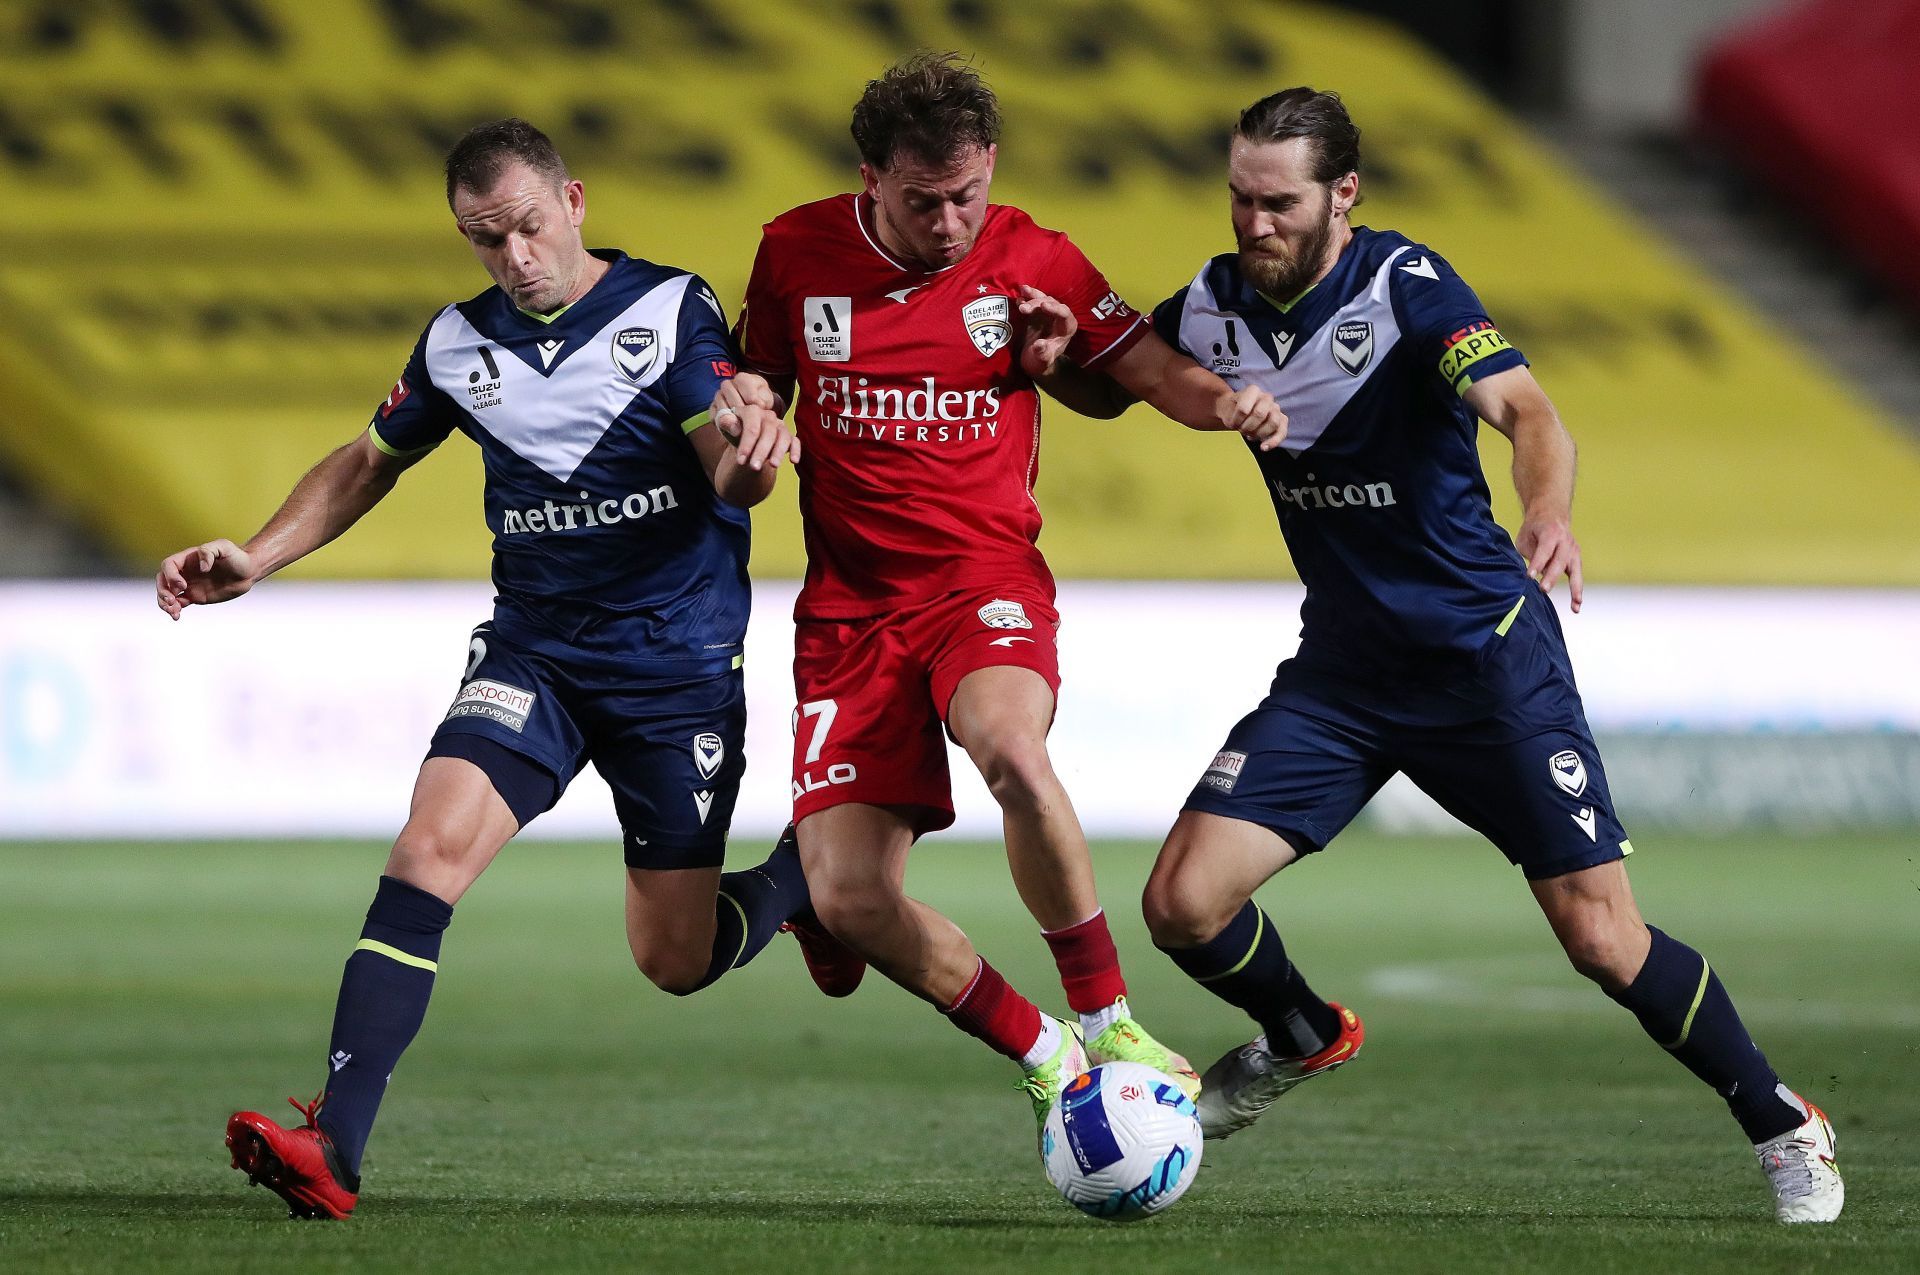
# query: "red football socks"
(1089, 965)
(990, 1009)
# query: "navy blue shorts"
(671, 751)
(1505, 750)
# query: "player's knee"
(430, 857)
(678, 972)
(1018, 772)
(1180, 911)
(851, 910)
(1601, 955)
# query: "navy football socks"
(753, 905)
(1246, 966)
(1680, 1002)
(389, 979)
(383, 999)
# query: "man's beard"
(1284, 277)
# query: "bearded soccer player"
(908, 323)
(1426, 646)
(618, 512)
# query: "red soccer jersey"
(921, 433)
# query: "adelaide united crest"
(989, 322)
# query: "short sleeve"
(1166, 320)
(762, 335)
(702, 356)
(1108, 325)
(1447, 324)
(416, 417)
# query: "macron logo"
(340, 1059)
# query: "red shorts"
(873, 695)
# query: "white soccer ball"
(1122, 1143)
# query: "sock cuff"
(1089, 964)
(1662, 946)
(1668, 992)
(1668, 960)
(990, 1010)
(1227, 952)
(405, 923)
(404, 906)
(1071, 932)
(973, 985)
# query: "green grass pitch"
(558, 1114)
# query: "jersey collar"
(863, 214)
(1305, 306)
(612, 256)
(1284, 306)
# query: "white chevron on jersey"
(554, 421)
(1310, 387)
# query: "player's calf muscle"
(909, 942)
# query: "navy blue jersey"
(610, 547)
(1378, 486)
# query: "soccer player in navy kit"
(618, 512)
(1426, 646)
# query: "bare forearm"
(1188, 393)
(737, 484)
(1154, 372)
(1543, 465)
(1543, 459)
(1092, 394)
(331, 497)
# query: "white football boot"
(1800, 1167)
(1238, 1089)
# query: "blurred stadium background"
(1697, 218)
(225, 227)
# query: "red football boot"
(836, 968)
(298, 1165)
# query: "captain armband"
(1467, 347)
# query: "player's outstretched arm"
(1156, 373)
(1091, 394)
(332, 496)
(1049, 328)
(1543, 467)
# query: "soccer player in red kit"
(909, 323)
